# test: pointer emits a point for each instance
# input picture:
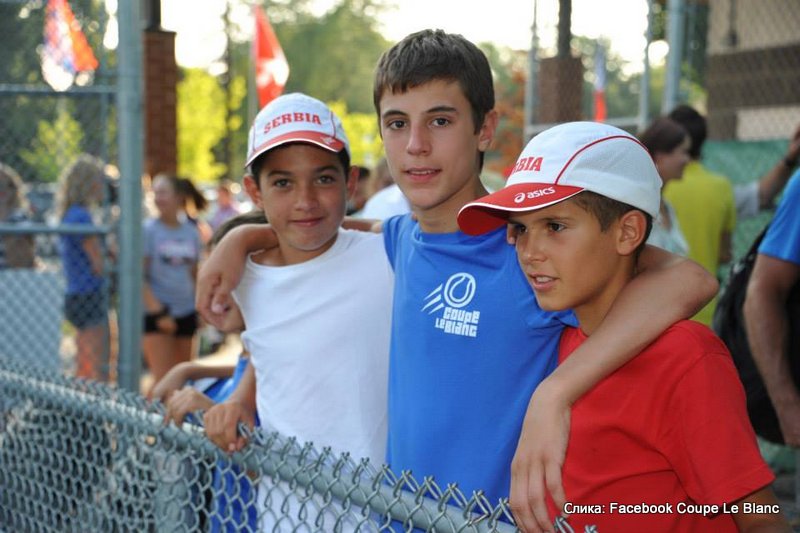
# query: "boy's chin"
(548, 304)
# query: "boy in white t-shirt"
(311, 377)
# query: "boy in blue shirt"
(465, 359)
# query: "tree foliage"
(366, 146)
(56, 143)
(201, 125)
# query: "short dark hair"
(258, 162)
(255, 216)
(663, 135)
(607, 210)
(431, 55)
(695, 124)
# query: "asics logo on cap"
(288, 118)
(520, 197)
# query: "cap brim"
(492, 211)
(317, 138)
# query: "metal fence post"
(130, 229)
(675, 35)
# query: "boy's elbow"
(704, 285)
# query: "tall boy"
(315, 377)
(642, 435)
(467, 353)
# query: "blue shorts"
(86, 310)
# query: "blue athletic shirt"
(75, 260)
(469, 346)
(782, 240)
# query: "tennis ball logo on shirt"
(459, 290)
(451, 297)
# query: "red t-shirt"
(667, 430)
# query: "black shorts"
(86, 310)
(187, 325)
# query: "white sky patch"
(200, 41)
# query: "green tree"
(201, 125)
(366, 146)
(333, 57)
(56, 144)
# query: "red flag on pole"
(599, 84)
(66, 51)
(271, 67)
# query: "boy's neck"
(591, 314)
(285, 255)
(443, 218)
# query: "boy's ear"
(252, 189)
(352, 181)
(486, 133)
(632, 227)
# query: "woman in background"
(668, 143)
(172, 247)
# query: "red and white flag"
(599, 84)
(66, 52)
(271, 67)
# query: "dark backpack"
(730, 326)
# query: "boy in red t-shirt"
(663, 443)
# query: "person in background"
(182, 393)
(86, 301)
(387, 199)
(362, 193)
(16, 251)
(226, 205)
(755, 196)
(704, 203)
(172, 249)
(668, 144)
(192, 207)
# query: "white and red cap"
(563, 161)
(295, 117)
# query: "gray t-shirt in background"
(173, 254)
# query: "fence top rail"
(28, 228)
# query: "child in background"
(86, 300)
(179, 390)
(639, 456)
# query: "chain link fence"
(54, 109)
(77, 455)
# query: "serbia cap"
(566, 160)
(295, 117)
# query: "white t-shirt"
(670, 239)
(386, 203)
(318, 334)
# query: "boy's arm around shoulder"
(221, 272)
(668, 288)
(363, 224)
